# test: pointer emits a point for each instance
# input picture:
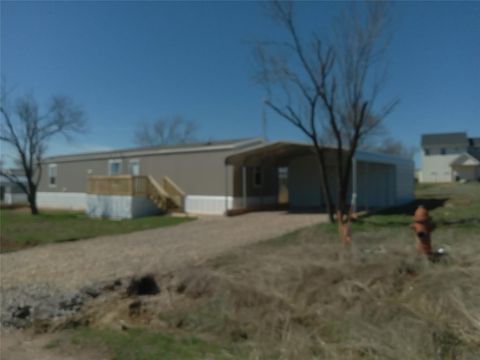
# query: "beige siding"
(196, 173)
(72, 176)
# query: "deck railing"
(164, 194)
(118, 185)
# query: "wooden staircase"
(167, 195)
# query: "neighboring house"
(214, 178)
(10, 192)
(448, 157)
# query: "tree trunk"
(32, 200)
(328, 198)
(344, 207)
(324, 185)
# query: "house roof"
(16, 173)
(465, 159)
(168, 149)
(475, 152)
(454, 138)
(475, 142)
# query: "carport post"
(226, 189)
(244, 186)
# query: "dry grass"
(303, 296)
(310, 299)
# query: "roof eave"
(157, 151)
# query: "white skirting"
(62, 200)
(218, 205)
(15, 198)
(120, 206)
(123, 206)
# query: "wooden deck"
(166, 194)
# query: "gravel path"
(70, 266)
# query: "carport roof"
(281, 152)
(278, 152)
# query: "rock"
(22, 312)
(23, 306)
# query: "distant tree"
(328, 87)
(392, 146)
(27, 131)
(165, 132)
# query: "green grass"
(450, 205)
(140, 344)
(20, 229)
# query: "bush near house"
(19, 229)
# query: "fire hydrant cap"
(421, 214)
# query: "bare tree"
(328, 88)
(28, 131)
(165, 132)
(393, 146)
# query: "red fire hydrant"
(345, 226)
(423, 227)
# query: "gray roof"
(475, 142)
(475, 152)
(151, 150)
(454, 138)
(466, 159)
(18, 173)
(14, 171)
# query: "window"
(52, 175)
(134, 167)
(257, 176)
(443, 151)
(427, 152)
(114, 167)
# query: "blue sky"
(125, 62)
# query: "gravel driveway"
(69, 266)
(41, 278)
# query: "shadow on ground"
(409, 209)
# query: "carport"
(303, 171)
(378, 180)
